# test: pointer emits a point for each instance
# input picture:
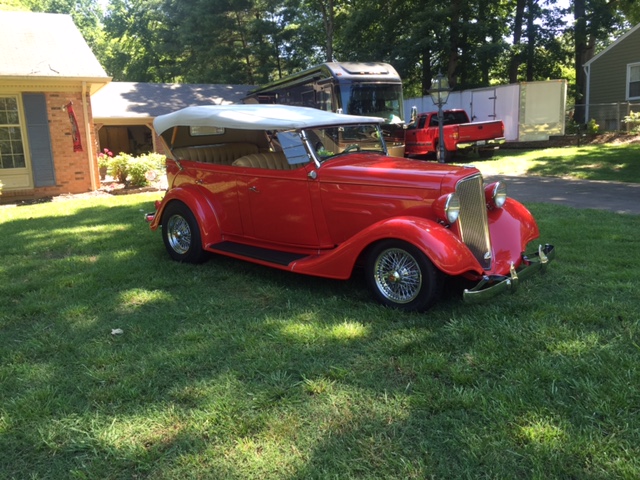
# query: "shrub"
(633, 120)
(119, 166)
(592, 127)
(143, 169)
(136, 171)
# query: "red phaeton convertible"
(314, 192)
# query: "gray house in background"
(613, 82)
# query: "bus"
(355, 88)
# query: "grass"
(233, 371)
(589, 162)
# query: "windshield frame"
(315, 145)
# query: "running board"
(265, 254)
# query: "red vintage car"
(315, 192)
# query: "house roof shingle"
(129, 101)
(45, 45)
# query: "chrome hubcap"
(179, 234)
(397, 275)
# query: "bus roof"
(361, 71)
(255, 117)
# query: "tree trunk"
(580, 16)
(531, 39)
(426, 71)
(517, 36)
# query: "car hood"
(372, 169)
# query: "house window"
(633, 76)
(11, 148)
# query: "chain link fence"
(608, 116)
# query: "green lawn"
(229, 370)
(588, 162)
(234, 371)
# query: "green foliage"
(254, 41)
(592, 127)
(145, 168)
(633, 121)
(118, 166)
(135, 171)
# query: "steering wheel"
(351, 147)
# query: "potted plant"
(104, 158)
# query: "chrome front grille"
(472, 223)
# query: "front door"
(276, 207)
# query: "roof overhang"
(52, 84)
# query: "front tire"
(181, 234)
(401, 276)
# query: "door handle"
(254, 189)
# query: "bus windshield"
(373, 99)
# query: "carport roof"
(126, 103)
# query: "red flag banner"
(75, 133)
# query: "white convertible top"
(255, 117)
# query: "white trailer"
(530, 110)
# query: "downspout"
(587, 72)
(87, 129)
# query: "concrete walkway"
(614, 196)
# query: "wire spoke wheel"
(398, 275)
(401, 276)
(181, 234)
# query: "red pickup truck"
(460, 135)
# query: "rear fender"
(442, 247)
(197, 201)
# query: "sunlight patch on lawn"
(317, 332)
(139, 297)
(542, 432)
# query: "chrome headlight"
(447, 208)
(496, 194)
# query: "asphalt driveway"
(614, 196)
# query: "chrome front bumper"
(492, 285)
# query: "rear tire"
(181, 234)
(401, 276)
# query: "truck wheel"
(181, 234)
(401, 276)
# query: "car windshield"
(327, 142)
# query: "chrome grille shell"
(473, 224)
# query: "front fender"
(511, 228)
(438, 243)
(204, 211)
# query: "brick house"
(613, 81)
(47, 76)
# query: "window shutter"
(35, 110)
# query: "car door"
(276, 206)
